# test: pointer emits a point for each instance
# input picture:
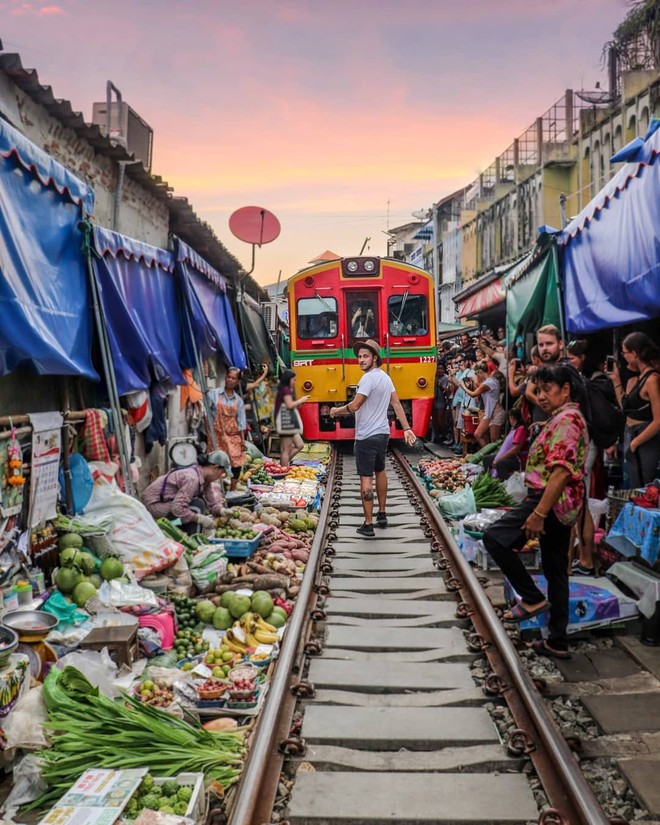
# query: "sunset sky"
(319, 110)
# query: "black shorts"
(370, 454)
(236, 472)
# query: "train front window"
(362, 315)
(408, 314)
(317, 317)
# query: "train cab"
(334, 305)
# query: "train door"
(362, 316)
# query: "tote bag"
(288, 422)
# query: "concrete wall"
(141, 215)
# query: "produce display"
(88, 729)
(229, 625)
(490, 492)
(246, 533)
(188, 643)
(149, 693)
(81, 573)
(169, 798)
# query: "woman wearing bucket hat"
(374, 394)
(190, 493)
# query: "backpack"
(605, 419)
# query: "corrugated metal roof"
(183, 220)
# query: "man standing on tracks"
(375, 392)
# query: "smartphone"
(609, 363)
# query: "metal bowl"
(31, 625)
(8, 644)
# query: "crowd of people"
(556, 416)
(569, 410)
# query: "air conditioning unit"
(127, 128)
(269, 312)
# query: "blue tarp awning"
(139, 301)
(45, 323)
(611, 250)
(205, 291)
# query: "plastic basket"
(197, 805)
(239, 548)
(617, 500)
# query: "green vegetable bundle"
(489, 492)
(478, 457)
(191, 543)
(90, 730)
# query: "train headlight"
(352, 266)
(421, 383)
(369, 266)
(308, 386)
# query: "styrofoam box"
(197, 805)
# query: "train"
(334, 304)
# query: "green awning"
(532, 294)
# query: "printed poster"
(97, 798)
(45, 466)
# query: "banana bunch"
(234, 643)
(257, 630)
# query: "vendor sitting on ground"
(189, 493)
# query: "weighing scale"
(32, 627)
(182, 453)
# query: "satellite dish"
(255, 225)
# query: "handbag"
(288, 422)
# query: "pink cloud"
(23, 9)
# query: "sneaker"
(366, 530)
(578, 570)
(381, 519)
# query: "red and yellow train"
(333, 305)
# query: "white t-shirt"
(371, 418)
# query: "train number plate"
(426, 359)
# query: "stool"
(121, 641)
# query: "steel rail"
(262, 746)
(576, 790)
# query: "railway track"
(373, 715)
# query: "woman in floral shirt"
(556, 492)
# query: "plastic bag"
(598, 509)
(24, 727)
(516, 487)
(206, 567)
(124, 594)
(134, 536)
(97, 666)
(459, 504)
(27, 786)
(67, 613)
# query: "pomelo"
(240, 605)
(262, 604)
(222, 619)
(111, 568)
(82, 592)
(70, 540)
(66, 579)
(85, 561)
(276, 620)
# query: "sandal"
(519, 614)
(541, 648)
